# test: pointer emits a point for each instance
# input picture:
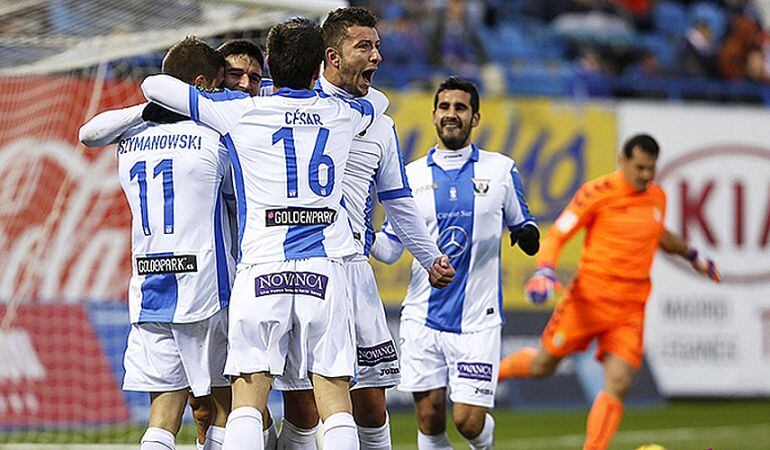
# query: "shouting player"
(290, 297)
(172, 171)
(451, 337)
(623, 214)
(375, 167)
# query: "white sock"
(375, 438)
(270, 437)
(215, 436)
(293, 437)
(340, 428)
(485, 439)
(433, 442)
(157, 439)
(244, 430)
(198, 445)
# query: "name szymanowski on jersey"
(289, 152)
(172, 176)
(466, 210)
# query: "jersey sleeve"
(407, 225)
(387, 247)
(515, 208)
(390, 178)
(106, 128)
(576, 215)
(218, 110)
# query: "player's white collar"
(331, 89)
(452, 159)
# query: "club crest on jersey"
(475, 371)
(452, 194)
(480, 186)
(305, 283)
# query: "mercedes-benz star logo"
(453, 241)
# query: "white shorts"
(291, 310)
(466, 362)
(377, 360)
(164, 357)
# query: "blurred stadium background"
(563, 83)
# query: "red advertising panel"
(64, 224)
(54, 372)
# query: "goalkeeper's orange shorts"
(577, 320)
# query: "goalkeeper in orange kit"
(623, 214)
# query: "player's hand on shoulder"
(528, 238)
(441, 272)
(703, 265)
(541, 285)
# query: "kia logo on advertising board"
(719, 200)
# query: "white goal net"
(64, 225)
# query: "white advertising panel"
(702, 338)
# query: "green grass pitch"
(678, 425)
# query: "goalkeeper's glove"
(704, 266)
(541, 285)
(528, 238)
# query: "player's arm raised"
(106, 128)
(219, 110)
(673, 244)
(540, 287)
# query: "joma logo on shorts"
(371, 356)
(390, 371)
(305, 283)
(475, 370)
(484, 391)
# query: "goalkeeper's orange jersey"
(623, 227)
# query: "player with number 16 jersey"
(288, 153)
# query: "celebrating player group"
(252, 203)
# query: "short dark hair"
(456, 83)
(242, 47)
(644, 142)
(192, 57)
(295, 50)
(336, 25)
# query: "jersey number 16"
(286, 135)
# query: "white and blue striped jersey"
(172, 176)
(266, 87)
(375, 170)
(467, 205)
(289, 152)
